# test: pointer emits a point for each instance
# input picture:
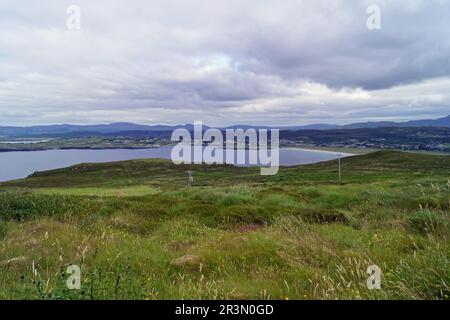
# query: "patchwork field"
(138, 232)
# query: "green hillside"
(137, 231)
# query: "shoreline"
(346, 154)
(347, 151)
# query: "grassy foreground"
(138, 232)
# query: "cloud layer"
(223, 62)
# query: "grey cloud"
(410, 47)
(249, 61)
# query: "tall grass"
(303, 236)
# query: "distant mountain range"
(64, 129)
(74, 129)
(441, 122)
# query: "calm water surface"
(17, 165)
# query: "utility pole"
(339, 164)
(191, 179)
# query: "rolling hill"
(68, 129)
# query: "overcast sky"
(223, 61)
